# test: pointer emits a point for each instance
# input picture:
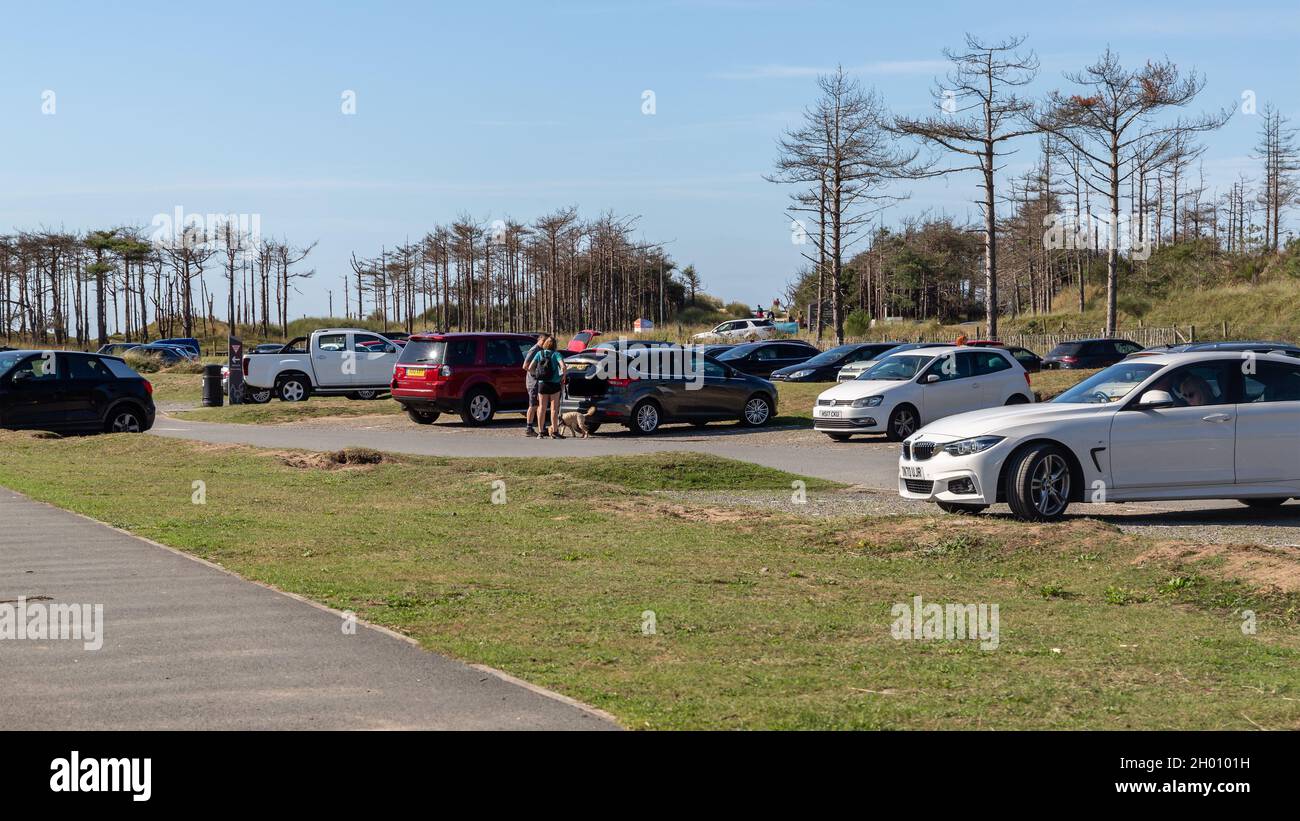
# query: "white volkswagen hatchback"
(906, 390)
(1222, 425)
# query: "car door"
(955, 390)
(710, 392)
(1268, 423)
(1191, 443)
(35, 395)
(375, 358)
(88, 388)
(504, 362)
(788, 354)
(990, 373)
(333, 364)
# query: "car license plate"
(415, 373)
(912, 472)
(830, 414)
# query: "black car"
(1030, 361)
(825, 366)
(1088, 353)
(1284, 348)
(71, 392)
(762, 358)
(168, 355)
(648, 388)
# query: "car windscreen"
(830, 357)
(898, 368)
(423, 353)
(1066, 349)
(1110, 385)
(8, 360)
(738, 352)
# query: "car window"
(502, 352)
(1024, 356)
(767, 353)
(792, 351)
(987, 362)
(1200, 385)
(332, 342)
(524, 346)
(1067, 349)
(1127, 348)
(461, 352)
(37, 368)
(952, 365)
(1272, 382)
(88, 367)
(120, 369)
(365, 343)
(714, 370)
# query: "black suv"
(1088, 353)
(762, 358)
(647, 388)
(71, 392)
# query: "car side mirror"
(1155, 399)
(930, 378)
(20, 377)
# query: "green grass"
(763, 619)
(275, 411)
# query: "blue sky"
(506, 108)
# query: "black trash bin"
(212, 397)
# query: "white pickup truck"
(336, 361)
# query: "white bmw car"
(1222, 425)
(906, 390)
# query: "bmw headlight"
(868, 402)
(799, 374)
(966, 447)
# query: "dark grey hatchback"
(643, 390)
(72, 392)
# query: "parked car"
(168, 355)
(399, 337)
(188, 344)
(855, 369)
(643, 397)
(1170, 426)
(825, 366)
(1030, 361)
(626, 344)
(712, 350)
(117, 348)
(476, 375)
(737, 329)
(762, 358)
(909, 389)
(69, 392)
(338, 361)
(1088, 353)
(581, 340)
(1240, 346)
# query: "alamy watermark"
(26, 620)
(1130, 234)
(937, 622)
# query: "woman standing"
(546, 367)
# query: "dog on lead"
(577, 422)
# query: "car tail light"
(244, 365)
(1070, 359)
(620, 382)
(1027, 382)
(444, 372)
(148, 387)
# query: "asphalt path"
(186, 645)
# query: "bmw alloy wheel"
(1050, 486)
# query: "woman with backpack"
(545, 368)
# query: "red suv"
(473, 374)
